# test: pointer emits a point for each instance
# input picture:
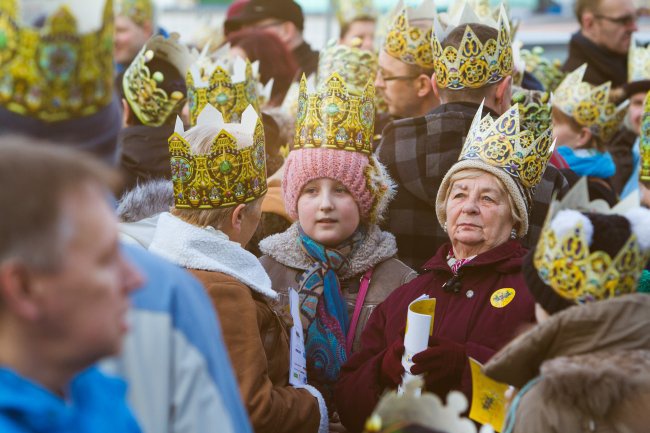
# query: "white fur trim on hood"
(639, 219)
(208, 249)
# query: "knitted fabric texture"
(305, 165)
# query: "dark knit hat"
(607, 234)
(256, 10)
(634, 87)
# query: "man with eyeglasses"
(285, 19)
(606, 28)
(404, 70)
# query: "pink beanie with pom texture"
(305, 165)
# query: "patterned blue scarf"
(589, 162)
(324, 307)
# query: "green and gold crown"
(589, 105)
(228, 84)
(138, 11)
(350, 10)
(547, 72)
(55, 73)
(143, 86)
(409, 36)
(355, 66)
(638, 63)
(472, 64)
(507, 145)
(534, 111)
(231, 173)
(563, 259)
(644, 174)
(335, 117)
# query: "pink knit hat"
(365, 178)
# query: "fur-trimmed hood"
(376, 247)
(208, 249)
(595, 384)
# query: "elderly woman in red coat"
(482, 300)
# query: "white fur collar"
(208, 249)
(375, 248)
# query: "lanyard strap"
(361, 296)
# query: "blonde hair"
(200, 139)
(473, 173)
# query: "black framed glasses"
(625, 20)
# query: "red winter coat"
(470, 320)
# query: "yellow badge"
(502, 297)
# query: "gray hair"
(36, 178)
(145, 200)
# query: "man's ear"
(434, 86)
(147, 27)
(17, 290)
(424, 85)
(126, 113)
(503, 93)
(237, 218)
(587, 20)
(584, 138)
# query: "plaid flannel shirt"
(418, 152)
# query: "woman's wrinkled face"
(479, 217)
(327, 211)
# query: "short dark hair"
(454, 39)
(582, 6)
(35, 178)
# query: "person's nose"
(326, 202)
(470, 205)
(379, 81)
(133, 277)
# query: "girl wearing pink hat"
(335, 254)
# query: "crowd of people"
(230, 236)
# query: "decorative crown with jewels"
(504, 143)
(644, 174)
(143, 85)
(55, 73)
(563, 259)
(589, 105)
(228, 84)
(231, 173)
(473, 64)
(638, 63)
(355, 66)
(350, 10)
(409, 36)
(334, 117)
(138, 11)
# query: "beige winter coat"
(285, 261)
(593, 363)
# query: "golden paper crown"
(350, 10)
(563, 258)
(54, 73)
(504, 143)
(138, 11)
(228, 84)
(408, 41)
(334, 117)
(644, 174)
(589, 105)
(150, 103)
(355, 66)
(472, 64)
(638, 63)
(231, 173)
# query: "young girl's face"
(327, 211)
